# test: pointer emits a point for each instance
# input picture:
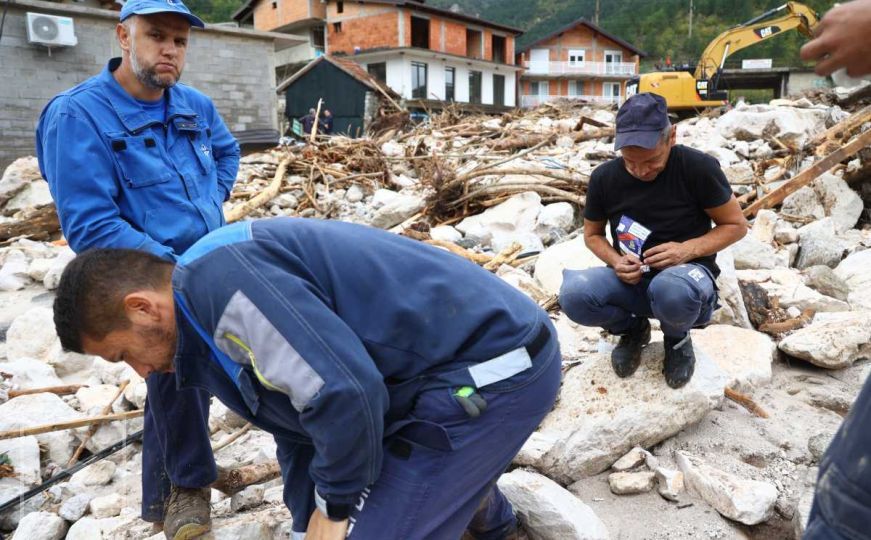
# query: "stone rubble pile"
(616, 458)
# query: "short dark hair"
(90, 296)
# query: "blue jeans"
(842, 503)
(176, 449)
(680, 297)
(427, 493)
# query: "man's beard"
(148, 76)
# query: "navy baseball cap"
(640, 121)
(150, 7)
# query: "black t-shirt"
(672, 206)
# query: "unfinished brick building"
(428, 55)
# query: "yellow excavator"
(685, 91)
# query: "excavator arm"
(798, 16)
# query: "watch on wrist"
(333, 511)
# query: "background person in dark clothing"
(326, 123)
(659, 200)
(308, 121)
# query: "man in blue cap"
(659, 199)
(136, 160)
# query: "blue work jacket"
(325, 333)
(118, 185)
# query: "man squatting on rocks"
(135, 160)
(399, 380)
(842, 502)
(658, 199)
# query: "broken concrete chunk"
(42, 526)
(670, 483)
(832, 344)
(748, 501)
(97, 474)
(631, 460)
(570, 255)
(107, 506)
(630, 483)
(548, 511)
(75, 507)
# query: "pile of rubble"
(620, 458)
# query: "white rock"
(832, 344)
(383, 196)
(397, 210)
(89, 528)
(249, 497)
(32, 335)
(37, 409)
(95, 397)
(13, 275)
(764, 225)
(631, 460)
(97, 474)
(631, 483)
(804, 203)
(519, 214)
(523, 282)
(732, 309)
(607, 416)
(571, 255)
(564, 141)
(29, 373)
(52, 277)
(790, 125)
(750, 253)
(247, 529)
(33, 195)
(670, 483)
(549, 511)
(840, 202)
(555, 221)
(825, 281)
(38, 268)
(576, 341)
(819, 244)
(787, 285)
(19, 173)
(114, 373)
(41, 526)
(75, 507)
(445, 233)
(274, 495)
(23, 452)
(854, 270)
(534, 449)
(747, 501)
(785, 233)
(803, 512)
(354, 194)
(106, 506)
(136, 394)
(745, 355)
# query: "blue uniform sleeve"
(226, 151)
(296, 344)
(82, 180)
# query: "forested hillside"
(660, 27)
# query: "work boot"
(680, 361)
(187, 513)
(626, 356)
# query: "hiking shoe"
(680, 361)
(626, 356)
(188, 513)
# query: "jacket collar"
(130, 111)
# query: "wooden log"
(808, 175)
(38, 224)
(93, 429)
(70, 424)
(238, 212)
(477, 258)
(232, 481)
(59, 390)
(788, 325)
(840, 130)
(504, 257)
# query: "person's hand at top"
(842, 40)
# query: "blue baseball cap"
(150, 7)
(640, 121)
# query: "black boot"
(680, 361)
(626, 356)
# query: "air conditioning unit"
(50, 30)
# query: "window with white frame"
(576, 57)
(612, 90)
(576, 88)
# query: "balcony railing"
(530, 101)
(617, 69)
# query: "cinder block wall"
(235, 68)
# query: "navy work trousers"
(176, 449)
(842, 502)
(436, 494)
(680, 297)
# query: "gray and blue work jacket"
(324, 333)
